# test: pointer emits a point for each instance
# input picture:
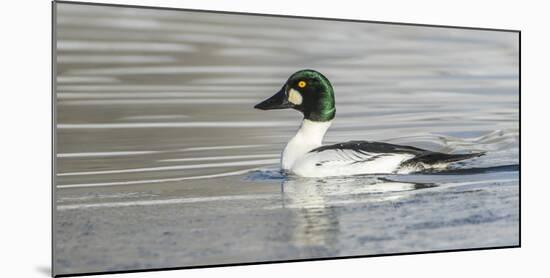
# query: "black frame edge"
(287, 261)
(53, 106)
(286, 16)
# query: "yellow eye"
(302, 84)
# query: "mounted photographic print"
(186, 138)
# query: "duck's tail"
(433, 158)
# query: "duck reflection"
(315, 223)
(317, 206)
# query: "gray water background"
(161, 161)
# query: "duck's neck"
(309, 136)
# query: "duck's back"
(365, 157)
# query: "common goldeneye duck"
(311, 93)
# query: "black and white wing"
(353, 158)
(365, 157)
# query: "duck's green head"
(307, 91)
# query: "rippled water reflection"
(163, 162)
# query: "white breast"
(309, 136)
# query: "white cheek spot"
(294, 97)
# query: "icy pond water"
(162, 161)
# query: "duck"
(311, 93)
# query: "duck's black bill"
(277, 101)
